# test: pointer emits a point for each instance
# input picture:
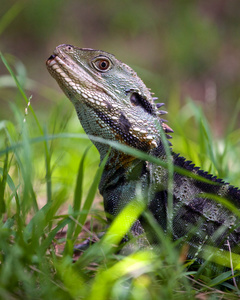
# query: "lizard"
(113, 103)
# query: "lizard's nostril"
(52, 57)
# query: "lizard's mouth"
(55, 65)
(51, 57)
(58, 64)
(51, 60)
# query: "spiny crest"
(159, 112)
(189, 166)
(149, 105)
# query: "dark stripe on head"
(124, 123)
(138, 100)
(122, 129)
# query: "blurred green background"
(191, 48)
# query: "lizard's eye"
(102, 64)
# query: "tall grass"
(43, 213)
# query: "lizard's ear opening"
(138, 100)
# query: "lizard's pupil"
(103, 64)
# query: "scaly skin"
(113, 103)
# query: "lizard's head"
(110, 99)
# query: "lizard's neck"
(117, 167)
(120, 164)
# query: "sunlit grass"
(49, 177)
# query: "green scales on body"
(113, 103)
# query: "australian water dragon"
(113, 103)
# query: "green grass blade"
(136, 263)
(170, 168)
(77, 199)
(10, 15)
(123, 222)
(205, 137)
(20, 89)
(126, 149)
(90, 197)
(234, 119)
(78, 188)
(40, 220)
(117, 230)
(48, 174)
(23, 158)
(27, 100)
(9, 181)
(47, 242)
(3, 186)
